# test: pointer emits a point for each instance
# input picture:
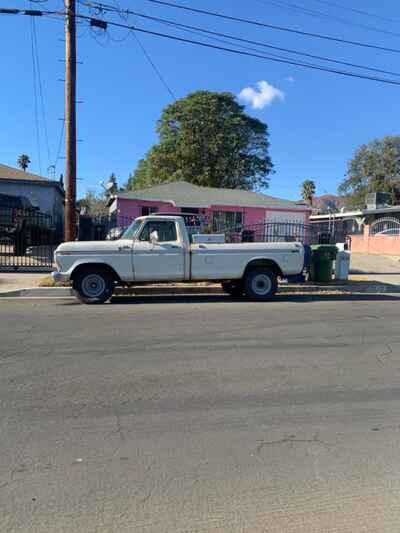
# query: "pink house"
(229, 207)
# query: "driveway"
(379, 268)
(200, 414)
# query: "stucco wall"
(133, 208)
(251, 215)
(375, 244)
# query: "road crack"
(380, 356)
(119, 430)
(291, 439)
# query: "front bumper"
(60, 276)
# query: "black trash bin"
(322, 259)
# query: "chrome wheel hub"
(93, 285)
(261, 285)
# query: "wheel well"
(264, 263)
(94, 266)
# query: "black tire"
(260, 284)
(94, 286)
(233, 288)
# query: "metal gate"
(27, 239)
(271, 232)
(385, 226)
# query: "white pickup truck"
(158, 249)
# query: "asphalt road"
(200, 415)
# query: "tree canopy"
(375, 167)
(23, 161)
(308, 191)
(207, 139)
(94, 203)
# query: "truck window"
(166, 231)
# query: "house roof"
(358, 213)
(11, 173)
(184, 194)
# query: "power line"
(46, 135)
(273, 27)
(354, 10)
(107, 7)
(104, 24)
(120, 11)
(36, 114)
(60, 141)
(243, 53)
(158, 73)
(218, 40)
(324, 16)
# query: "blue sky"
(316, 120)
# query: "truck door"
(160, 261)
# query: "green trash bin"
(322, 258)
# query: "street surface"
(200, 414)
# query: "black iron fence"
(27, 239)
(102, 227)
(268, 232)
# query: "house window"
(232, 220)
(148, 210)
(189, 210)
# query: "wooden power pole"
(70, 121)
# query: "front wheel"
(93, 286)
(260, 284)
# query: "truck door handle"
(175, 247)
(124, 247)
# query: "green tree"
(93, 203)
(308, 191)
(375, 167)
(206, 138)
(23, 161)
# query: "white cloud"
(262, 96)
(290, 79)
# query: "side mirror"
(154, 237)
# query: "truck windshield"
(131, 230)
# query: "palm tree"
(23, 161)
(308, 191)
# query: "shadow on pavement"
(369, 273)
(216, 298)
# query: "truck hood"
(91, 246)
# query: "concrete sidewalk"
(19, 280)
(369, 273)
(375, 268)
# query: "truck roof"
(159, 217)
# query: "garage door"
(284, 226)
(285, 216)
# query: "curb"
(38, 292)
(66, 292)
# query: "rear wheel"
(260, 284)
(93, 286)
(234, 288)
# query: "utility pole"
(70, 121)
